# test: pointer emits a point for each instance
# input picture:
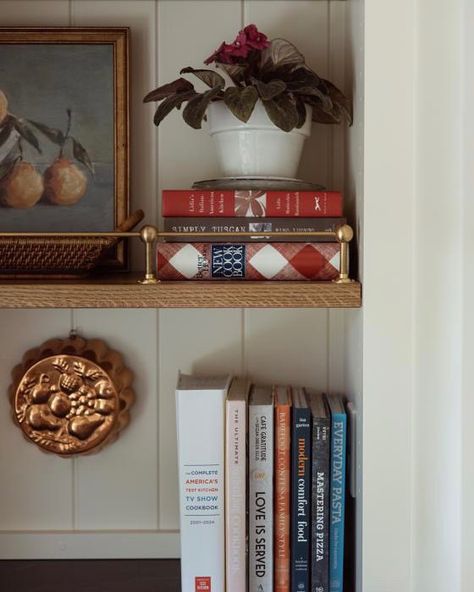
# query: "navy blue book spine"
(300, 499)
(320, 477)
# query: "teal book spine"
(337, 499)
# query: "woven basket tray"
(57, 256)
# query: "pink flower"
(247, 40)
(255, 39)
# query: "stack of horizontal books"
(207, 245)
(277, 455)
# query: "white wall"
(123, 501)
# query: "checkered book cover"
(256, 261)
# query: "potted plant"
(260, 120)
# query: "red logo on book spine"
(202, 584)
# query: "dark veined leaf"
(236, 72)
(56, 136)
(339, 100)
(281, 53)
(301, 111)
(269, 90)
(26, 133)
(321, 116)
(179, 85)
(171, 103)
(81, 155)
(7, 165)
(309, 91)
(282, 112)
(194, 111)
(209, 77)
(241, 101)
(6, 130)
(303, 76)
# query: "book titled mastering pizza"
(248, 261)
(206, 202)
(200, 413)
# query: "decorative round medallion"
(71, 396)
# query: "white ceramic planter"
(257, 148)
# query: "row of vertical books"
(200, 219)
(262, 481)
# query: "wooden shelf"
(123, 291)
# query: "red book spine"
(261, 204)
(282, 496)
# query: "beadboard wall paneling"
(117, 488)
(35, 487)
(52, 507)
(200, 341)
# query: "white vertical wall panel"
(140, 16)
(287, 346)
(200, 341)
(36, 487)
(117, 488)
(34, 12)
(305, 24)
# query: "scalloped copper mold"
(71, 396)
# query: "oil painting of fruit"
(63, 129)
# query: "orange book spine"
(282, 497)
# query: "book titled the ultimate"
(248, 261)
(206, 202)
(282, 488)
(260, 489)
(236, 485)
(300, 492)
(320, 475)
(200, 412)
(337, 493)
(282, 225)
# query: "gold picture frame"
(87, 64)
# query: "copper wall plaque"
(71, 396)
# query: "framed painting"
(64, 137)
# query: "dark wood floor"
(141, 575)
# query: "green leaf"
(309, 91)
(6, 130)
(209, 77)
(178, 85)
(321, 116)
(81, 155)
(7, 165)
(170, 103)
(269, 90)
(282, 112)
(26, 133)
(56, 136)
(241, 101)
(194, 111)
(281, 53)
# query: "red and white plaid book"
(244, 261)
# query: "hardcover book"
(236, 485)
(337, 493)
(320, 477)
(261, 489)
(282, 488)
(206, 202)
(300, 492)
(200, 410)
(257, 225)
(248, 261)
